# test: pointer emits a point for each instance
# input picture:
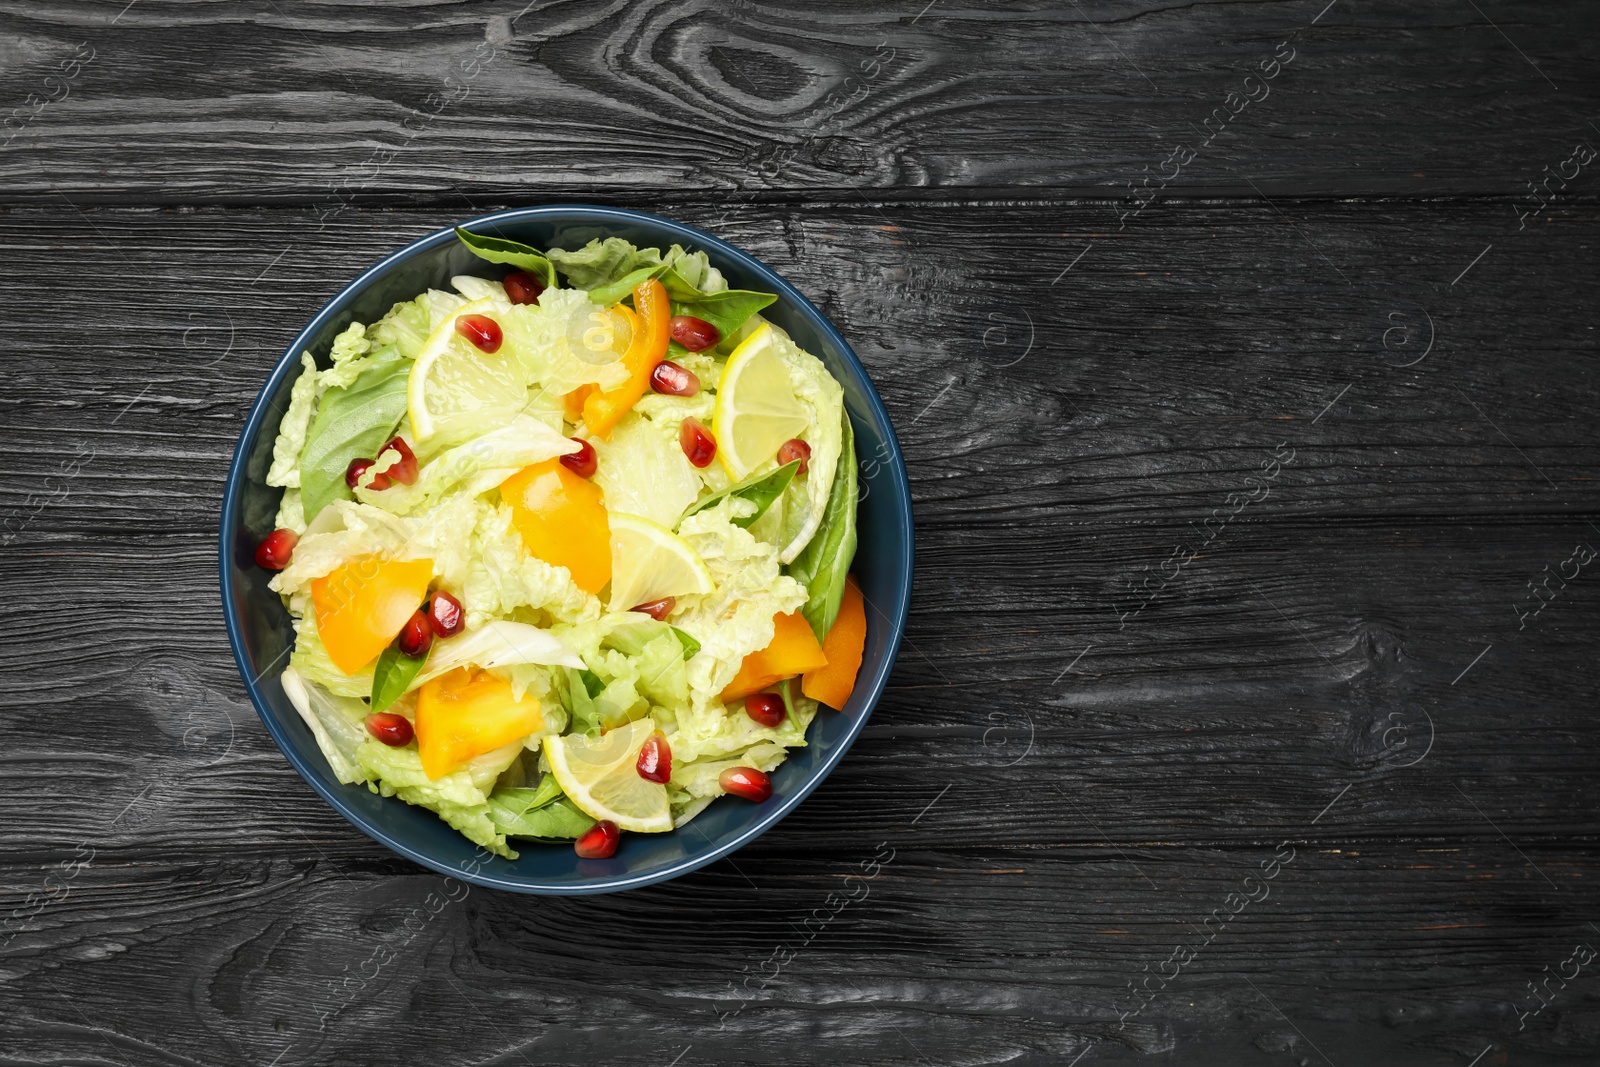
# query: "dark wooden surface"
(1132, 677)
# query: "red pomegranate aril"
(583, 462)
(697, 442)
(746, 782)
(599, 842)
(276, 549)
(657, 609)
(358, 469)
(445, 614)
(694, 334)
(393, 730)
(795, 449)
(404, 471)
(416, 636)
(523, 288)
(672, 380)
(765, 708)
(655, 759)
(481, 330)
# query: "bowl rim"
(898, 485)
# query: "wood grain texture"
(324, 102)
(1227, 508)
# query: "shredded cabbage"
(526, 620)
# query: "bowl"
(261, 636)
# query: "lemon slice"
(455, 386)
(649, 561)
(756, 408)
(601, 776)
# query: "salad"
(567, 551)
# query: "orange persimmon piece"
(794, 650)
(464, 713)
(562, 519)
(646, 348)
(362, 605)
(573, 402)
(832, 683)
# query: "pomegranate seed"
(599, 842)
(445, 614)
(657, 609)
(582, 462)
(673, 380)
(416, 636)
(405, 471)
(358, 469)
(393, 730)
(765, 708)
(697, 442)
(694, 334)
(795, 449)
(523, 288)
(275, 549)
(655, 759)
(746, 782)
(481, 330)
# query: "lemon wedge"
(649, 561)
(756, 408)
(455, 386)
(601, 777)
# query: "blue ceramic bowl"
(258, 625)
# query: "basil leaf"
(392, 676)
(513, 253)
(760, 489)
(351, 423)
(615, 292)
(824, 563)
(727, 310)
(789, 689)
(557, 819)
(690, 645)
(520, 801)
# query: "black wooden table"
(1244, 359)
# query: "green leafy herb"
(537, 813)
(579, 699)
(790, 690)
(727, 310)
(392, 676)
(690, 645)
(615, 292)
(824, 563)
(759, 489)
(603, 262)
(514, 253)
(351, 423)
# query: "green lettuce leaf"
(392, 675)
(727, 310)
(760, 489)
(512, 253)
(350, 423)
(824, 564)
(294, 426)
(735, 618)
(455, 797)
(541, 812)
(602, 262)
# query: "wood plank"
(1052, 491)
(986, 956)
(328, 104)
